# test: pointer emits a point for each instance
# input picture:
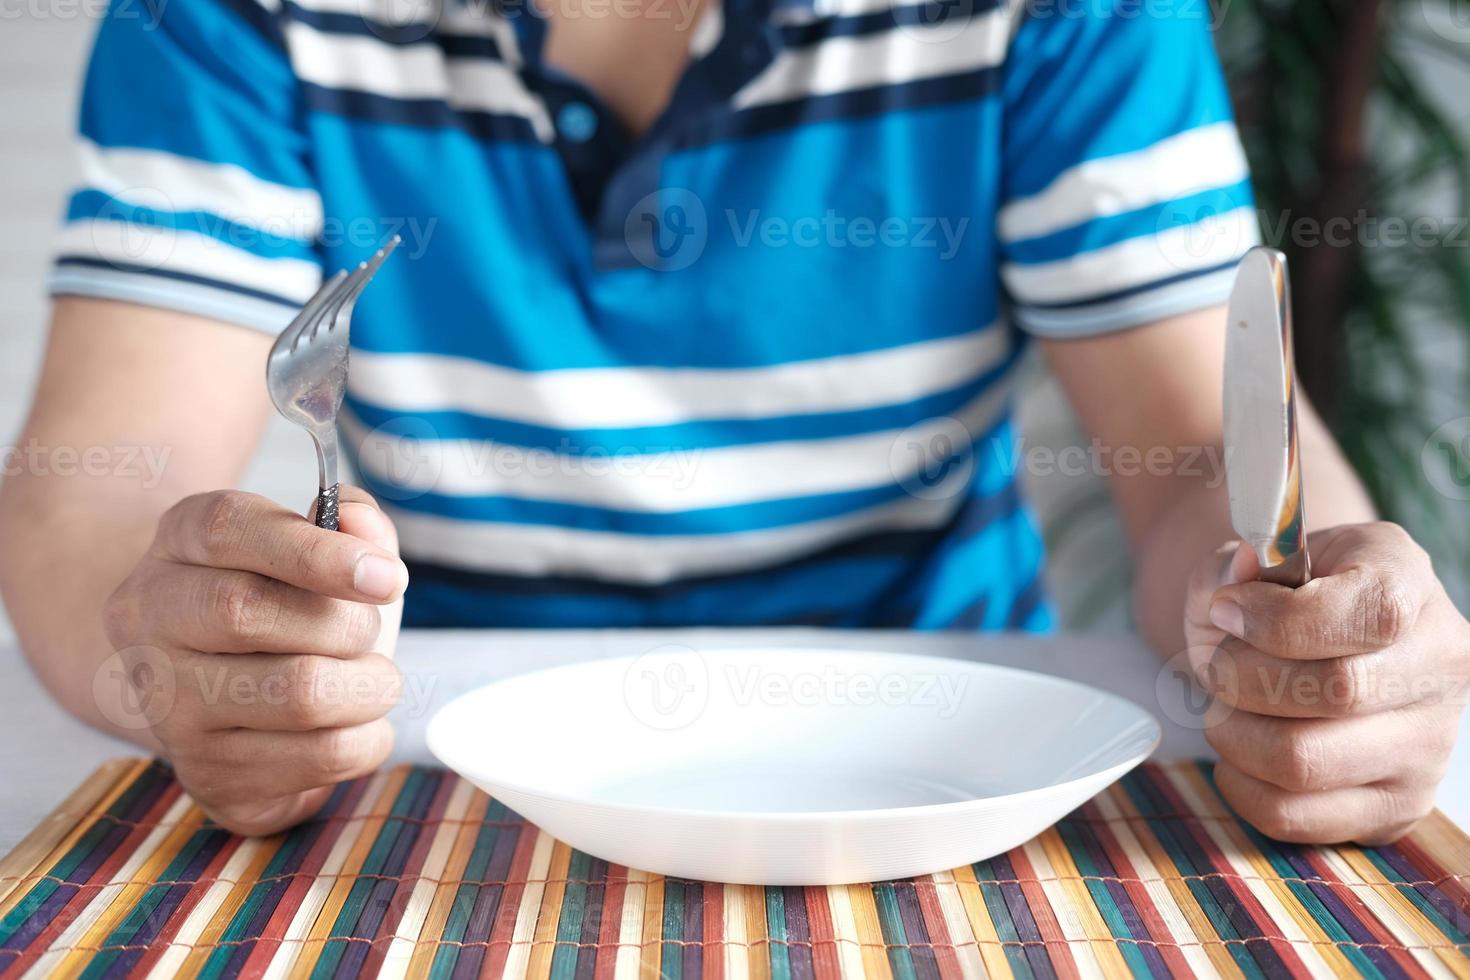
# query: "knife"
(1262, 464)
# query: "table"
(44, 753)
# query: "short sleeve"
(1127, 196)
(196, 192)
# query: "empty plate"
(791, 767)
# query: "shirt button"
(577, 122)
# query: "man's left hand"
(1337, 704)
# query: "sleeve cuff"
(216, 301)
(1197, 291)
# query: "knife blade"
(1262, 462)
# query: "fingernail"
(1228, 616)
(377, 577)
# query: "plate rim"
(936, 810)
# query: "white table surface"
(44, 753)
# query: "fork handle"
(326, 508)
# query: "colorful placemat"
(414, 872)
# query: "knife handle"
(1294, 572)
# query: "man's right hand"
(277, 638)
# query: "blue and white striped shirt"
(750, 367)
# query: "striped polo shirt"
(751, 366)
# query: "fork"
(306, 372)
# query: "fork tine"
(310, 312)
(340, 312)
(328, 314)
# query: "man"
(705, 316)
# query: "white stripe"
(584, 398)
(413, 71)
(1191, 162)
(667, 482)
(1135, 262)
(1198, 293)
(893, 57)
(534, 550)
(474, 19)
(152, 178)
(400, 951)
(191, 253)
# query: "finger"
(359, 515)
(1370, 815)
(1365, 683)
(243, 766)
(1374, 582)
(258, 818)
(224, 611)
(247, 532)
(1311, 755)
(1206, 579)
(265, 692)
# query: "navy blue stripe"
(260, 20)
(839, 106)
(414, 32)
(1147, 287)
(417, 112)
(1030, 599)
(697, 132)
(920, 15)
(88, 261)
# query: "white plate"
(791, 767)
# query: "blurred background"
(1357, 123)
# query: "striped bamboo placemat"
(413, 872)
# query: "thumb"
(1242, 565)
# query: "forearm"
(1196, 521)
(69, 541)
(135, 409)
